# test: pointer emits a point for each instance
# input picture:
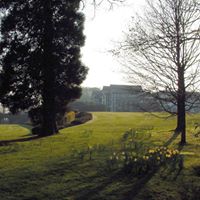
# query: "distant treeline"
(7, 118)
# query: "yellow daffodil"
(151, 151)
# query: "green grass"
(58, 168)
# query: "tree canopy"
(40, 56)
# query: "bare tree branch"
(161, 51)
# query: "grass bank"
(73, 164)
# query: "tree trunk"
(181, 125)
(181, 121)
(49, 126)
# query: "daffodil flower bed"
(136, 164)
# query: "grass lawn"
(72, 165)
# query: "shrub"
(70, 116)
(81, 118)
(76, 122)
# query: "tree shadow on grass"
(171, 139)
(144, 180)
(134, 184)
(24, 138)
(8, 142)
(92, 192)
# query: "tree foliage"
(40, 56)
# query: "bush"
(85, 117)
(76, 122)
(70, 116)
(81, 118)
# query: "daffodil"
(168, 155)
(177, 151)
(151, 151)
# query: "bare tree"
(111, 3)
(97, 3)
(161, 52)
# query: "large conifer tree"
(40, 55)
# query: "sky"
(102, 32)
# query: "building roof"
(122, 88)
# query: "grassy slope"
(52, 168)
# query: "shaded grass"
(53, 168)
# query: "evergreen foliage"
(40, 56)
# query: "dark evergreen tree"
(40, 56)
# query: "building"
(130, 98)
(126, 98)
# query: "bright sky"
(102, 31)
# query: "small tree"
(161, 52)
